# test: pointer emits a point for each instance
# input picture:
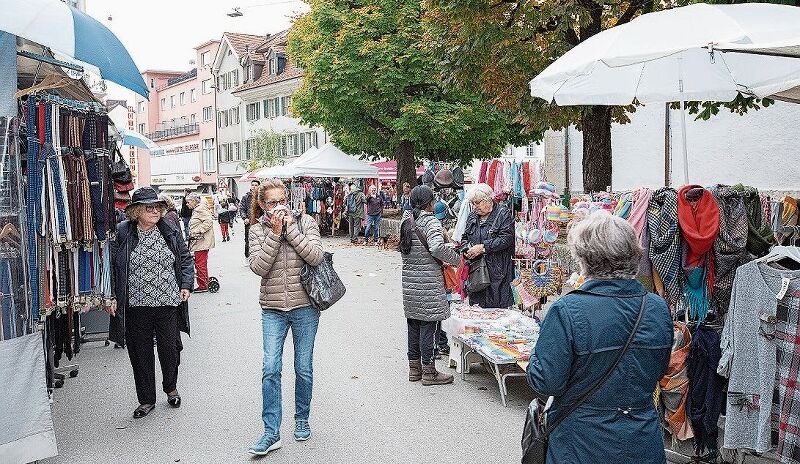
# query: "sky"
(162, 34)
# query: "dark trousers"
(186, 228)
(441, 336)
(355, 228)
(421, 340)
(247, 240)
(140, 323)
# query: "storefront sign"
(170, 179)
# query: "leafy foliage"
(266, 147)
(374, 85)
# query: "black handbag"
(535, 434)
(120, 172)
(479, 278)
(321, 282)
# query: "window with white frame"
(193, 118)
(530, 150)
(172, 101)
(235, 77)
(163, 103)
(206, 86)
(205, 58)
(253, 111)
(284, 105)
(289, 106)
(183, 98)
(223, 152)
(193, 95)
(208, 113)
(209, 157)
(235, 115)
(141, 128)
(141, 107)
(236, 149)
(219, 119)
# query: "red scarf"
(699, 223)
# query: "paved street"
(364, 408)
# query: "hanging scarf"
(491, 173)
(789, 216)
(638, 219)
(665, 244)
(759, 237)
(706, 388)
(507, 179)
(699, 223)
(526, 178)
(729, 248)
(482, 175)
(675, 385)
(623, 209)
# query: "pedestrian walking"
(224, 219)
(244, 212)
(171, 213)
(281, 244)
(201, 238)
(153, 277)
(404, 202)
(185, 214)
(374, 214)
(581, 339)
(355, 211)
(423, 250)
(489, 234)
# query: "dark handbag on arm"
(479, 278)
(535, 435)
(321, 282)
(120, 172)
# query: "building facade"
(179, 116)
(124, 116)
(229, 69)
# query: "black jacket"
(186, 212)
(121, 247)
(497, 236)
(244, 205)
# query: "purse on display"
(542, 284)
(120, 172)
(535, 435)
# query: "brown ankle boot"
(430, 376)
(414, 370)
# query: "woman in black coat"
(149, 298)
(490, 233)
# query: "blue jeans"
(374, 225)
(276, 324)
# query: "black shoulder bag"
(321, 282)
(535, 434)
(479, 278)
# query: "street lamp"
(235, 13)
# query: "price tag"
(784, 287)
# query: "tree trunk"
(596, 122)
(406, 164)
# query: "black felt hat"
(144, 196)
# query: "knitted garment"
(699, 223)
(665, 244)
(706, 388)
(729, 248)
(675, 386)
(759, 237)
(638, 219)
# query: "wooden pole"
(667, 156)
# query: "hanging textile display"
(675, 386)
(665, 244)
(759, 237)
(730, 246)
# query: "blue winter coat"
(580, 338)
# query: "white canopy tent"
(326, 161)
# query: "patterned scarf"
(675, 386)
(638, 219)
(730, 246)
(759, 237)
(699, 222)
(665, 244)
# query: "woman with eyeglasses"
(153, 277)
(281, 243)
(489, 234)
(201, 238)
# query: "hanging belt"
(33, 205)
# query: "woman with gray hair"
(580, 342)
(489, 235)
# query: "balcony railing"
(187, 129)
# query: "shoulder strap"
(422, 238)
(582, 399)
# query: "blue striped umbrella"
(67, 31)
(136, 139)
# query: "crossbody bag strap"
(582, 399)
(423, 239)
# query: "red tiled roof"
(278, 43)
(239, 41)
(278, 38)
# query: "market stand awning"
(387, 170)
(330, 161)
(76, 35)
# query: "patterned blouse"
(152, 282)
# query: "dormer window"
(281, 60)
(272, 62)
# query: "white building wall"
(226, 100)
(757, 149)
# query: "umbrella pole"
(683, 124)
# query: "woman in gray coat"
(424, 300)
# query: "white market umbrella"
(678, 55)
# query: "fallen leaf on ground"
(482, 388)
(354, 377)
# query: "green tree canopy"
(373, 84)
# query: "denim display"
(276, 325)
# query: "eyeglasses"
(478, 202)
(152, 208)
(272, 204)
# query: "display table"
(499, 339)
